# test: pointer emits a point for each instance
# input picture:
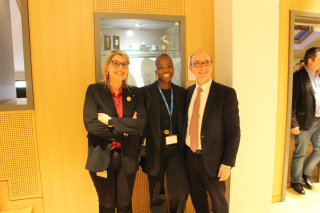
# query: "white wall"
(246, 54)
(223, 41)
(17, 44)
(7, 84)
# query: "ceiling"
(307, 34)
(307, 21)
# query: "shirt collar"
(114, 94)
(205, 87)
(310, 72)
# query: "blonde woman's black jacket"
(126, 129)
(303, 101)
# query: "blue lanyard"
(166, 103)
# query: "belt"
(115, 150)
(198, 152)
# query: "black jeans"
(116, 190)
(173, 166)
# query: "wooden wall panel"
(163, 7)
(305, 5)
(199, 28)
(19, 163)
(284, 6)
(9, 205)
(20, 184)
(62, 54)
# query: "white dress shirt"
(203, 100)
(315, 82)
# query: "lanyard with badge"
(170, 139)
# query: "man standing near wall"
(305, 119)
(212, 135)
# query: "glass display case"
(143, 38)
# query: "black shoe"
(307, 181)
(298, 188)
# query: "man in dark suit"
(212, 135)
(305, 119)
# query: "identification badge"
(171, 139)
(102, 174)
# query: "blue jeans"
(301, 144)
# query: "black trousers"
(201, 184)
(115, 191)
(174, 167)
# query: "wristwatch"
(110, 123)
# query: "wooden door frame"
(293, 16)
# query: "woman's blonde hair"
(106, 63)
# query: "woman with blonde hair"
(113, 115)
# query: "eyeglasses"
(117, 64)
(199, 63)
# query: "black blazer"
(303, 101)
(220, 130)
(100, 136)
(151, 165)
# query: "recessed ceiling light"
(137, 25)
(129, 33)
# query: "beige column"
(246, 58)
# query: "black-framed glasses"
(117, 64)
(199, 63)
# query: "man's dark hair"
(301, 60)
(311, 53)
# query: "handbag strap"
(148, 107)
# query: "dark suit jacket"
(303, 101)
(151, 165)
(100, 136)
(220, 130)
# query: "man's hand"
(295, 131)
(300, 66)
(103, 118)
(224, 172)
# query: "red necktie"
(194, 122)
